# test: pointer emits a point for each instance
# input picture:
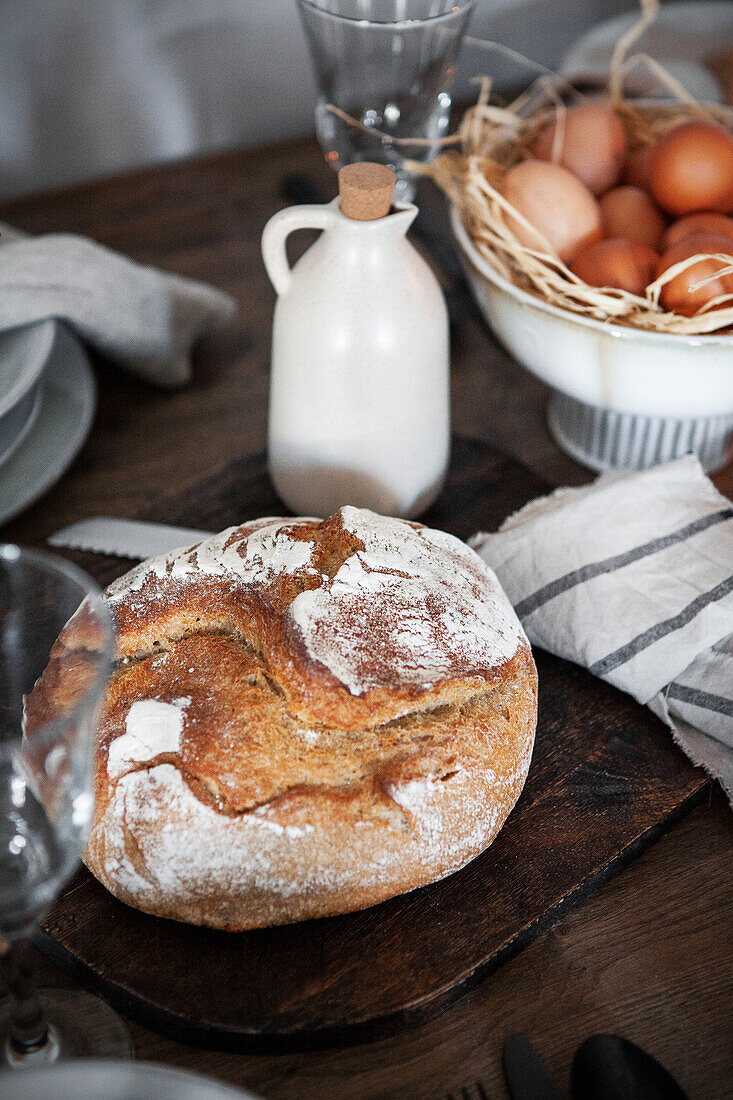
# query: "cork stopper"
(366, 190)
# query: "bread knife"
(125, 538)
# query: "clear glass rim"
(89, 590)
(458, 8)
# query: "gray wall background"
(92, 87)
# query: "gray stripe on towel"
(700, 699)
(608, 565)
(660, 630)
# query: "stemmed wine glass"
(388, 66)
(46, 792)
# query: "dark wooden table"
(650, 955)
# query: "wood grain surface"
(649, 955)
(606, 780)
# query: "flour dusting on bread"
(152, 728)
(251, 554)
(436, 609)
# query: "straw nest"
(491, 139)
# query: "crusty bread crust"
(306, 718)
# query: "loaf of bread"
(305, 718)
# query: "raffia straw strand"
(514, 55)
(682, 265)
(388, 139)
(649, 9)
(670, 82)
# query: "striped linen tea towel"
(632, 577)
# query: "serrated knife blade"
(125, 538)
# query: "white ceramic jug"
(359, 392)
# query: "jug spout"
(403, 215)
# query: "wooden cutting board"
(606, 780)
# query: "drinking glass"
(46, 792)
(388, 65)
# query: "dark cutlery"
(526, 1076)
(607, 1067)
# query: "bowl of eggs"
(598, 241)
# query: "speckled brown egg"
(628, 212)
(623, 264)
(593, 145)
(692, 169)
(682, 294)
(559, 207)
(637, 169)
(713, 225)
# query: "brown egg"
(627, 265)
(637, 169)
(593, 145)
(678, 294)
(628, 212)
(555, 203)
(714, 225)
(692, 169)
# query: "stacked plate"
(47, 402)
(102, 1080)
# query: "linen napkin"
(632, 577)
(145, 319)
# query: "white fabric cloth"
(632, 577)
(145, 319)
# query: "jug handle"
(279, 228)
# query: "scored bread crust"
(306, 718)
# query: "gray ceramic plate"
(24, 353)
(113, 1081)
(62, 422)
(18, 421)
